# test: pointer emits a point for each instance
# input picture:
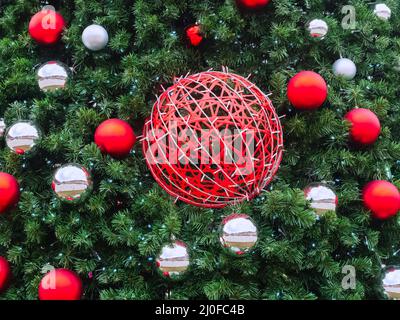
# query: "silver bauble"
(344, 68)
(322, 198)
(2, 127)
(238, 233)
(318, 28)
(173, 260)
(22, 136)
(52, 75)
(391, 282)
(95, 37)
(382, 11)
(72, 183)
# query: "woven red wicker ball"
(213, 139)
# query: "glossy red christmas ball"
(115, 137)
(307, 90)
(382, 198)
(9, 192)
(252, 4)
(46, 26)
(194, 35)
(365, 126)
(5, 274)
(60, 284)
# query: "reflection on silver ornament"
(318, 28)
(52, 75)
(95, 37)
(2, 127)
(391, 282)
(173, 261)
(22, 136)
(382, 11)
(72, 183)
(238, 233)
(321, 197)
(344, 68)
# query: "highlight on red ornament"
(60, 284)
(194, 35)
(307, 90)
(5, 274)
(46, 26)
(213, 139)
(252, 4)
(365, 126)
(115, 137)
(9, 192)
(382, 198)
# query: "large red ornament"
(46, 26)
(382, 198)
(194, 35)
(5, 274)
(60, 284)
(307, 90)
(252, 4)
(115, 137)
(213, 139)
(9, 192)
(365, 126)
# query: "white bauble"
(344, 68)
(382, 11)
(95, 37)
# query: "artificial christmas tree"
(112, 239)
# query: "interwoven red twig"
(213, 139)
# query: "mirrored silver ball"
(391, 282)
(173, 260)
(52, 75)
(382, 11)
(238, 234)
(322, 198)
(318, 28)
(2, 127)
(72, 183)
(22, 137)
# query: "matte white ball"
(345, 68)
(382, 11)
(95, 37)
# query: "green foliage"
(119, 230)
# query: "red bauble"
(307, 90)
(5, 274)
(382, 198)
(46, 26)
(213, 139)
(194, 35)
(252, 4)
(365, 126)
(60, 284)
(115, 137)
(9, 192)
